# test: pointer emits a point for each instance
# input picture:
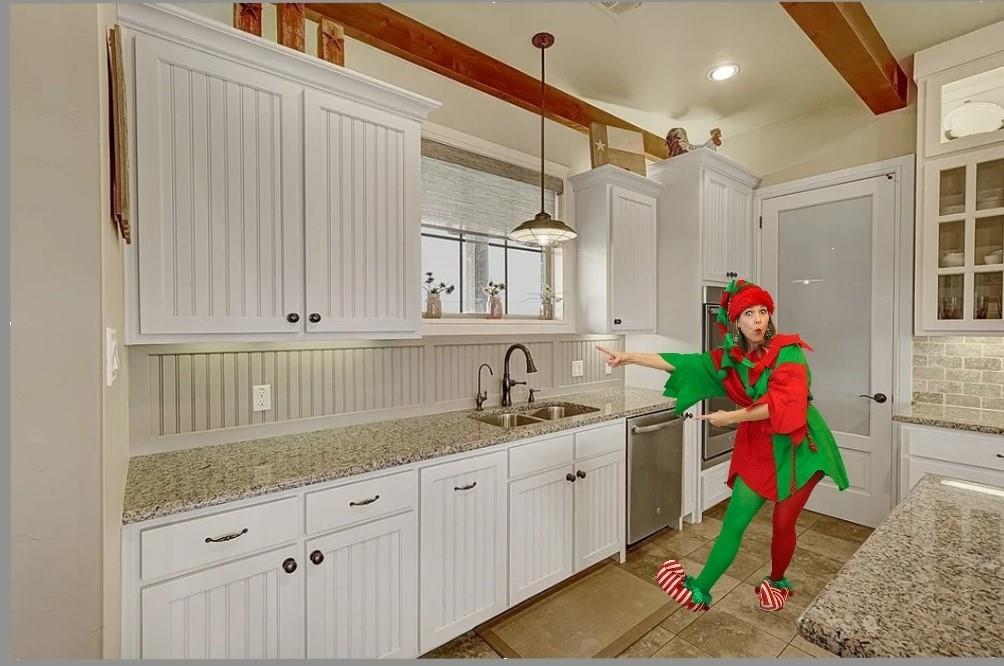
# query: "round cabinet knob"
(570, 477)
(317, 557)
(617, 322)
(580, 474)
(292, 317)
(314, 318)
(289, 565)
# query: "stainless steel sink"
(562, 411)
(507, 420)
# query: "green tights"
(742, 508)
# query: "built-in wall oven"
(716, 442)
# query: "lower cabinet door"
(540, 532)
(463, 546)
(248, 609)
(599, 508)
(362, 591)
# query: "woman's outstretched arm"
(615, 358)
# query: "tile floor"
(734, 626)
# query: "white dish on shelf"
(952, 259)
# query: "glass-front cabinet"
(962, 261)
(959, 232)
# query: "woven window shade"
(465, 191)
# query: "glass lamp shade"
(542, 230)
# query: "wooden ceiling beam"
(388, 30)
(846, 36)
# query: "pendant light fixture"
(542, 229)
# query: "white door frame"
(903, 172)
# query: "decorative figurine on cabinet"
(678, 144)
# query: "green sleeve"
(695, 378)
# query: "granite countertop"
(162, 484)
(927, 582)
(960, 418)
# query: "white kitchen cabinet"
(363, 213)
(541, 532)
(726, 228)
(464, 518)
(219, 210)
(958, 454)
(362, 591)
(960, 195)
(600, 506)
(570, 516)
(246, 609)
(276, 197)
(615, 212)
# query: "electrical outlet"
(577, 368)
(608, 369)
(262, 396)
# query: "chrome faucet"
(480, 399)
(507, 382)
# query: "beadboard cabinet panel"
(600, 504)
(219, 214)
(363, 238)
(632, 260)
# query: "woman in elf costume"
(782, 448)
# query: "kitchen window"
(469, 205)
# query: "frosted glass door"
(828, 260)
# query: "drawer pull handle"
(365, 501)
(227, 537)
(467, 487)
(1000, 455)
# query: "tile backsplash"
(190, 395)
(959, 371)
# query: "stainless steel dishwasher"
(655, 473)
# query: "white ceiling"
(650, 64)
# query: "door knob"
(317, 557)
(878, 397)
(289, 565)
(314, 318)
(292, 317)
(570, 477)
(580, 474)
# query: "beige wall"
(833, 137)
(69, 433)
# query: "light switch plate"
(262, 397)
(608, 369)
(577, 368)
(111, 356)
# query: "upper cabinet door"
(219, 209)
(632, 261)
(739, 255)
(715, 226)
(363, 217)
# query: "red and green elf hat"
(736, 298)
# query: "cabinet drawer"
(220, 536)
(957, 447)
(361, 501)
(604, 439)
(540, 455)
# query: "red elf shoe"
(773, 593)
(681, 587)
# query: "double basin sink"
(524, 417)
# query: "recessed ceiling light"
(723, 72)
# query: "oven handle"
(641, 430)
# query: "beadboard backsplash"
(191, 395)
(959, 371)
